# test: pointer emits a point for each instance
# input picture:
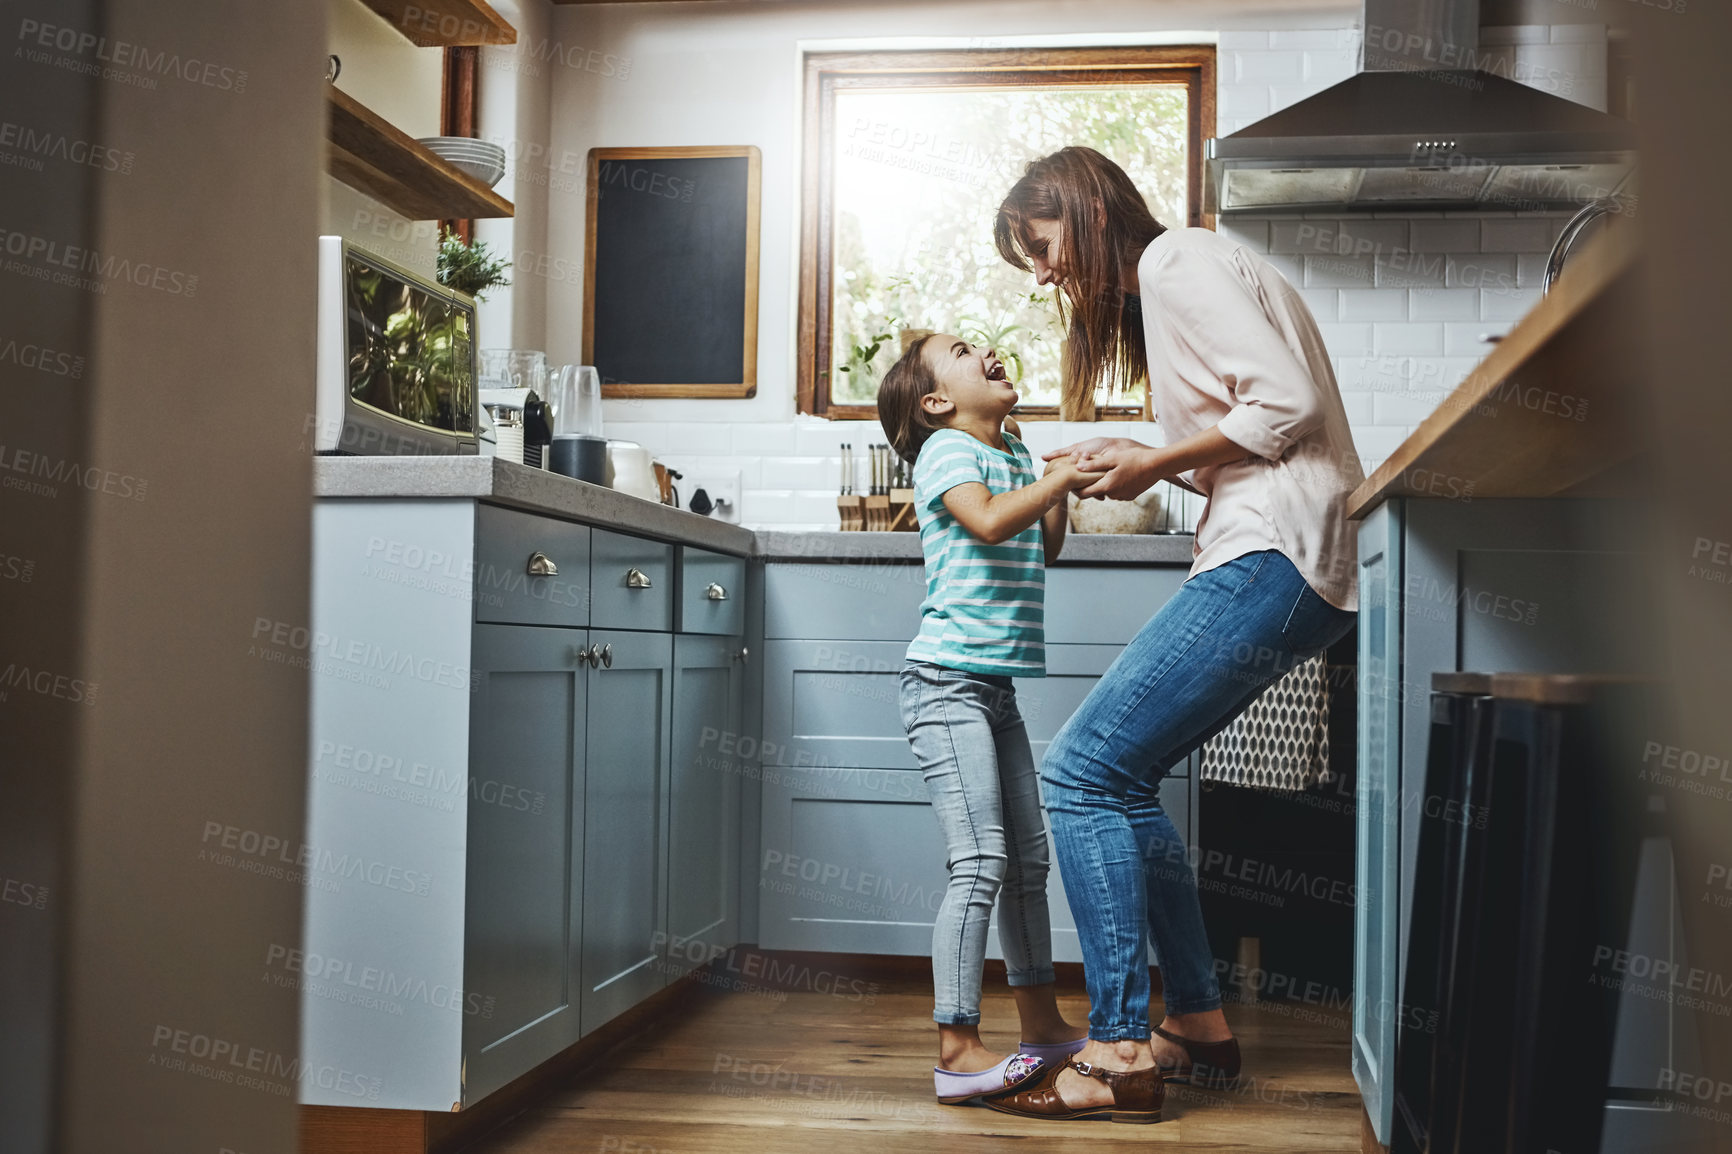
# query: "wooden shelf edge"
(445, 23)
(1600, 265)
(374, 156)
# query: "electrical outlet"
(722, 486)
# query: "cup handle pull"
(541, 565)
(636, 579)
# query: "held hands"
(1115, 467)
(1069, 476)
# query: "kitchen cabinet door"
(625, 835)
(1377, 865)
(525, 859)
(704, 801)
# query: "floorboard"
(798, 1072)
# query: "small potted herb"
(470, 268)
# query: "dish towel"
(1282, 740)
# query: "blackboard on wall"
(671, 271)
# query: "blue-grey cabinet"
(524, 883)
(704, 817)
(625, 834)
(1490, 586)
(1377, 812)
(852, 859)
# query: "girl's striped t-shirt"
(985, 604)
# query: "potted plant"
(470, 268)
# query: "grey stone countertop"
(504, 483)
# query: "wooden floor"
(791, 1072)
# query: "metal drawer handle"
(743, 655)
(541, 565)
(636, 579)
(606, 657)
(716, 592)
(584, 656)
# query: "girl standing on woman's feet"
(988, 528)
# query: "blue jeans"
(972, 746)
(1195, 666)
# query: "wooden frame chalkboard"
(670, 271)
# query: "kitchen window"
(906, 158)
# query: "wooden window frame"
(826, 73)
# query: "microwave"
(396, 359)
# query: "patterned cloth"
(1282, 740)
(985, 607)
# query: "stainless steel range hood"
(1420, 127)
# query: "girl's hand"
(1121, 471)
(1070, 476)
(1093, 445)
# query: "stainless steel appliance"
(396, 359)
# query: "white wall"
(401, 83)
(1402, 317)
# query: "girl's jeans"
(1225, 636)
(973, 748)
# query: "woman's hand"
(1122, 470)
(1093, 445)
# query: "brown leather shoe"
(1211, 1065)
(1137, 1095)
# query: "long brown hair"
(1106, 225)
(906, 422)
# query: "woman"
(1241, 385)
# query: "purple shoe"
(960, 1089)
(1052, 1051)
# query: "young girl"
(988, 528)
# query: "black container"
(584, 458)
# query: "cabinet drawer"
(712, 592)
(876, 601)
(632, 583)
(508, 544)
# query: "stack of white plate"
(481, 159)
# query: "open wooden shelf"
(445, 23)
(367, 153)
(1557, 403)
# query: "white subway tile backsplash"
(771, 507)
(1465, 340)
(692, 437)
(769, 438)
(1431, 304)
(1314, 39)
(1328, 67)
(1507, 304)
(1487, 270)
(1268, 67)
(1234, 40)
(1394, 409)
(1338, 272)
(1359, 406)
(1250, 100)
(1446, 236)
(803, 473)
(815, 508)
(1324, 303)
(1406, 269)
(1531, 269)
(1408, 337)
(1376, 443)
(1253, 234)
(1519, 234)
(1373, 305)
(1291, 267)
(1346, 340)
